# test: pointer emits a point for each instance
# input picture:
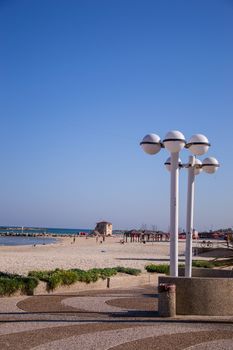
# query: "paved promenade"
(105, 319)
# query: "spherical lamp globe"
(174, 141)
(197, 167)
(168, 164)
(151, 144)
(198, 144)
(210, 165)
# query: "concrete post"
(167, 300)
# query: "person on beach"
(73, 240)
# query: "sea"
(13, 236)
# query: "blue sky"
(83, 81)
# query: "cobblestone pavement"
(106, 319)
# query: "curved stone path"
(105, 319)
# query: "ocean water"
(66, 231)
(17, 240)
(21, 236)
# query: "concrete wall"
(119, 281)
(198, 272)
(211, 296)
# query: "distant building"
(104, 228)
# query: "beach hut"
(104, 228)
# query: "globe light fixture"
(151, 144)
(198, 145)
(210, 165)
(174, 141)
(168, 164)
(197, 166)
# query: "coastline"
(85, 253)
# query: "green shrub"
(41, 275)
(53, 281)
(9, 284)
(223, 262)
(160, 268)
(93, 275)
(29, 284)
(213, 263)
(52, 278)
(202, 263)
(68, 277)
(59, 277)
(164, 268)
(128, 270)
(81, 275)
(105, 272)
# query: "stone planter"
(208, 292)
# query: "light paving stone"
(223, 344)
(8, 305)
(96, 304)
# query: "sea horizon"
(16, 235)
(37, 229)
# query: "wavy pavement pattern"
(101, 320)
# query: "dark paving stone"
(137, 303)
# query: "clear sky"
(82, 81)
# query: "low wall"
(209, 293)
(119, 281)
(199, 272)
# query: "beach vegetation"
(128, 270)
(11, 283)
(28, 285)
(209, 264)
(55, 278)
(60, 277)
(158, 268)
(203, 264)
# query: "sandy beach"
(84, 254)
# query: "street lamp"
(174, 142)
(197, 145)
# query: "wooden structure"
(145, 236)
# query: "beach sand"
(84, 254)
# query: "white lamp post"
(198, 145)
(194, 168)
(174, 142)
